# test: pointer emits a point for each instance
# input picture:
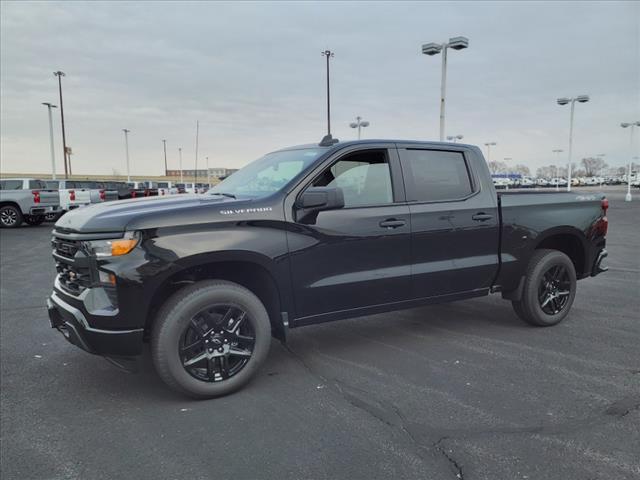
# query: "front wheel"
(210, 338)
(549, 289)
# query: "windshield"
(268, 174)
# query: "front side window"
(268, 174)
(364, 177)
(436, 175)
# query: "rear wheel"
(34, 219)
(549, 289)
(10, 216)
(210, 338)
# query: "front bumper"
(72, 323)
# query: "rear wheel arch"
(569, 242)
(251, 275)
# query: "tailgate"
(49, 198)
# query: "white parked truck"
(26, 200)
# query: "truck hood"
(149, 212)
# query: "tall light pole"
(164, 145)
(454, 138)
(208, 176)
(328, 139)
(53, 153)
(67, 165)
(558, 151)
(359, 124)
(126, 147)
(489, 145)
(457, 43)
(572, 101)
(601, 157)
(195, 180)
(631, 126)
(180, 155)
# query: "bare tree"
(497, 167)
(593, 166)
(522, 170)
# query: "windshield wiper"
(230, 195)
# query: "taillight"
(605, 205)
(36, 196)
(72, 195)
(103, 195)
(133, 194)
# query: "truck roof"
(369, 141)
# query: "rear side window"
(435, 175)
(11, 185)
(37, 184)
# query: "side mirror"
(317, 199)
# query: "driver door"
(354, 259)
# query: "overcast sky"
(253, 75)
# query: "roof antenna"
(328, 140)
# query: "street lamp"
(457, 43)
(558, 151)
(67, 170)
(126, 146)
(164, 145)
(53, 154)
(208, 176)
(454, 138)
(180, 155)
(359, 124)
(489, 145)
(328, 139)
(631, 125)
(601, 157)
(564, 101)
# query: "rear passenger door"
(454, 221)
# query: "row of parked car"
(529, 182)
(34, 201)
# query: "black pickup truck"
(310, 234)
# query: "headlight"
(113, 247)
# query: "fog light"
(107, 277)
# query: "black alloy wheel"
(554, 289)
(217, 343)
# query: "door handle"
(482, 217)
(392, 223)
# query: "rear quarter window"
(435, 176)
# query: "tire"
(34, 219)
(192, 307)
(10, 216)
(546, 301)
(52, 217)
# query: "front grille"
(65, 248)
(72, 265)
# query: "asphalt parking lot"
(463, 390)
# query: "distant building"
(214, 172)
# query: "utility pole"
(126, 146)
(164, 145)
(180, 155)
(328, 54)
(67, 164)
(208, 176)
(53, 154)
(196, 171)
